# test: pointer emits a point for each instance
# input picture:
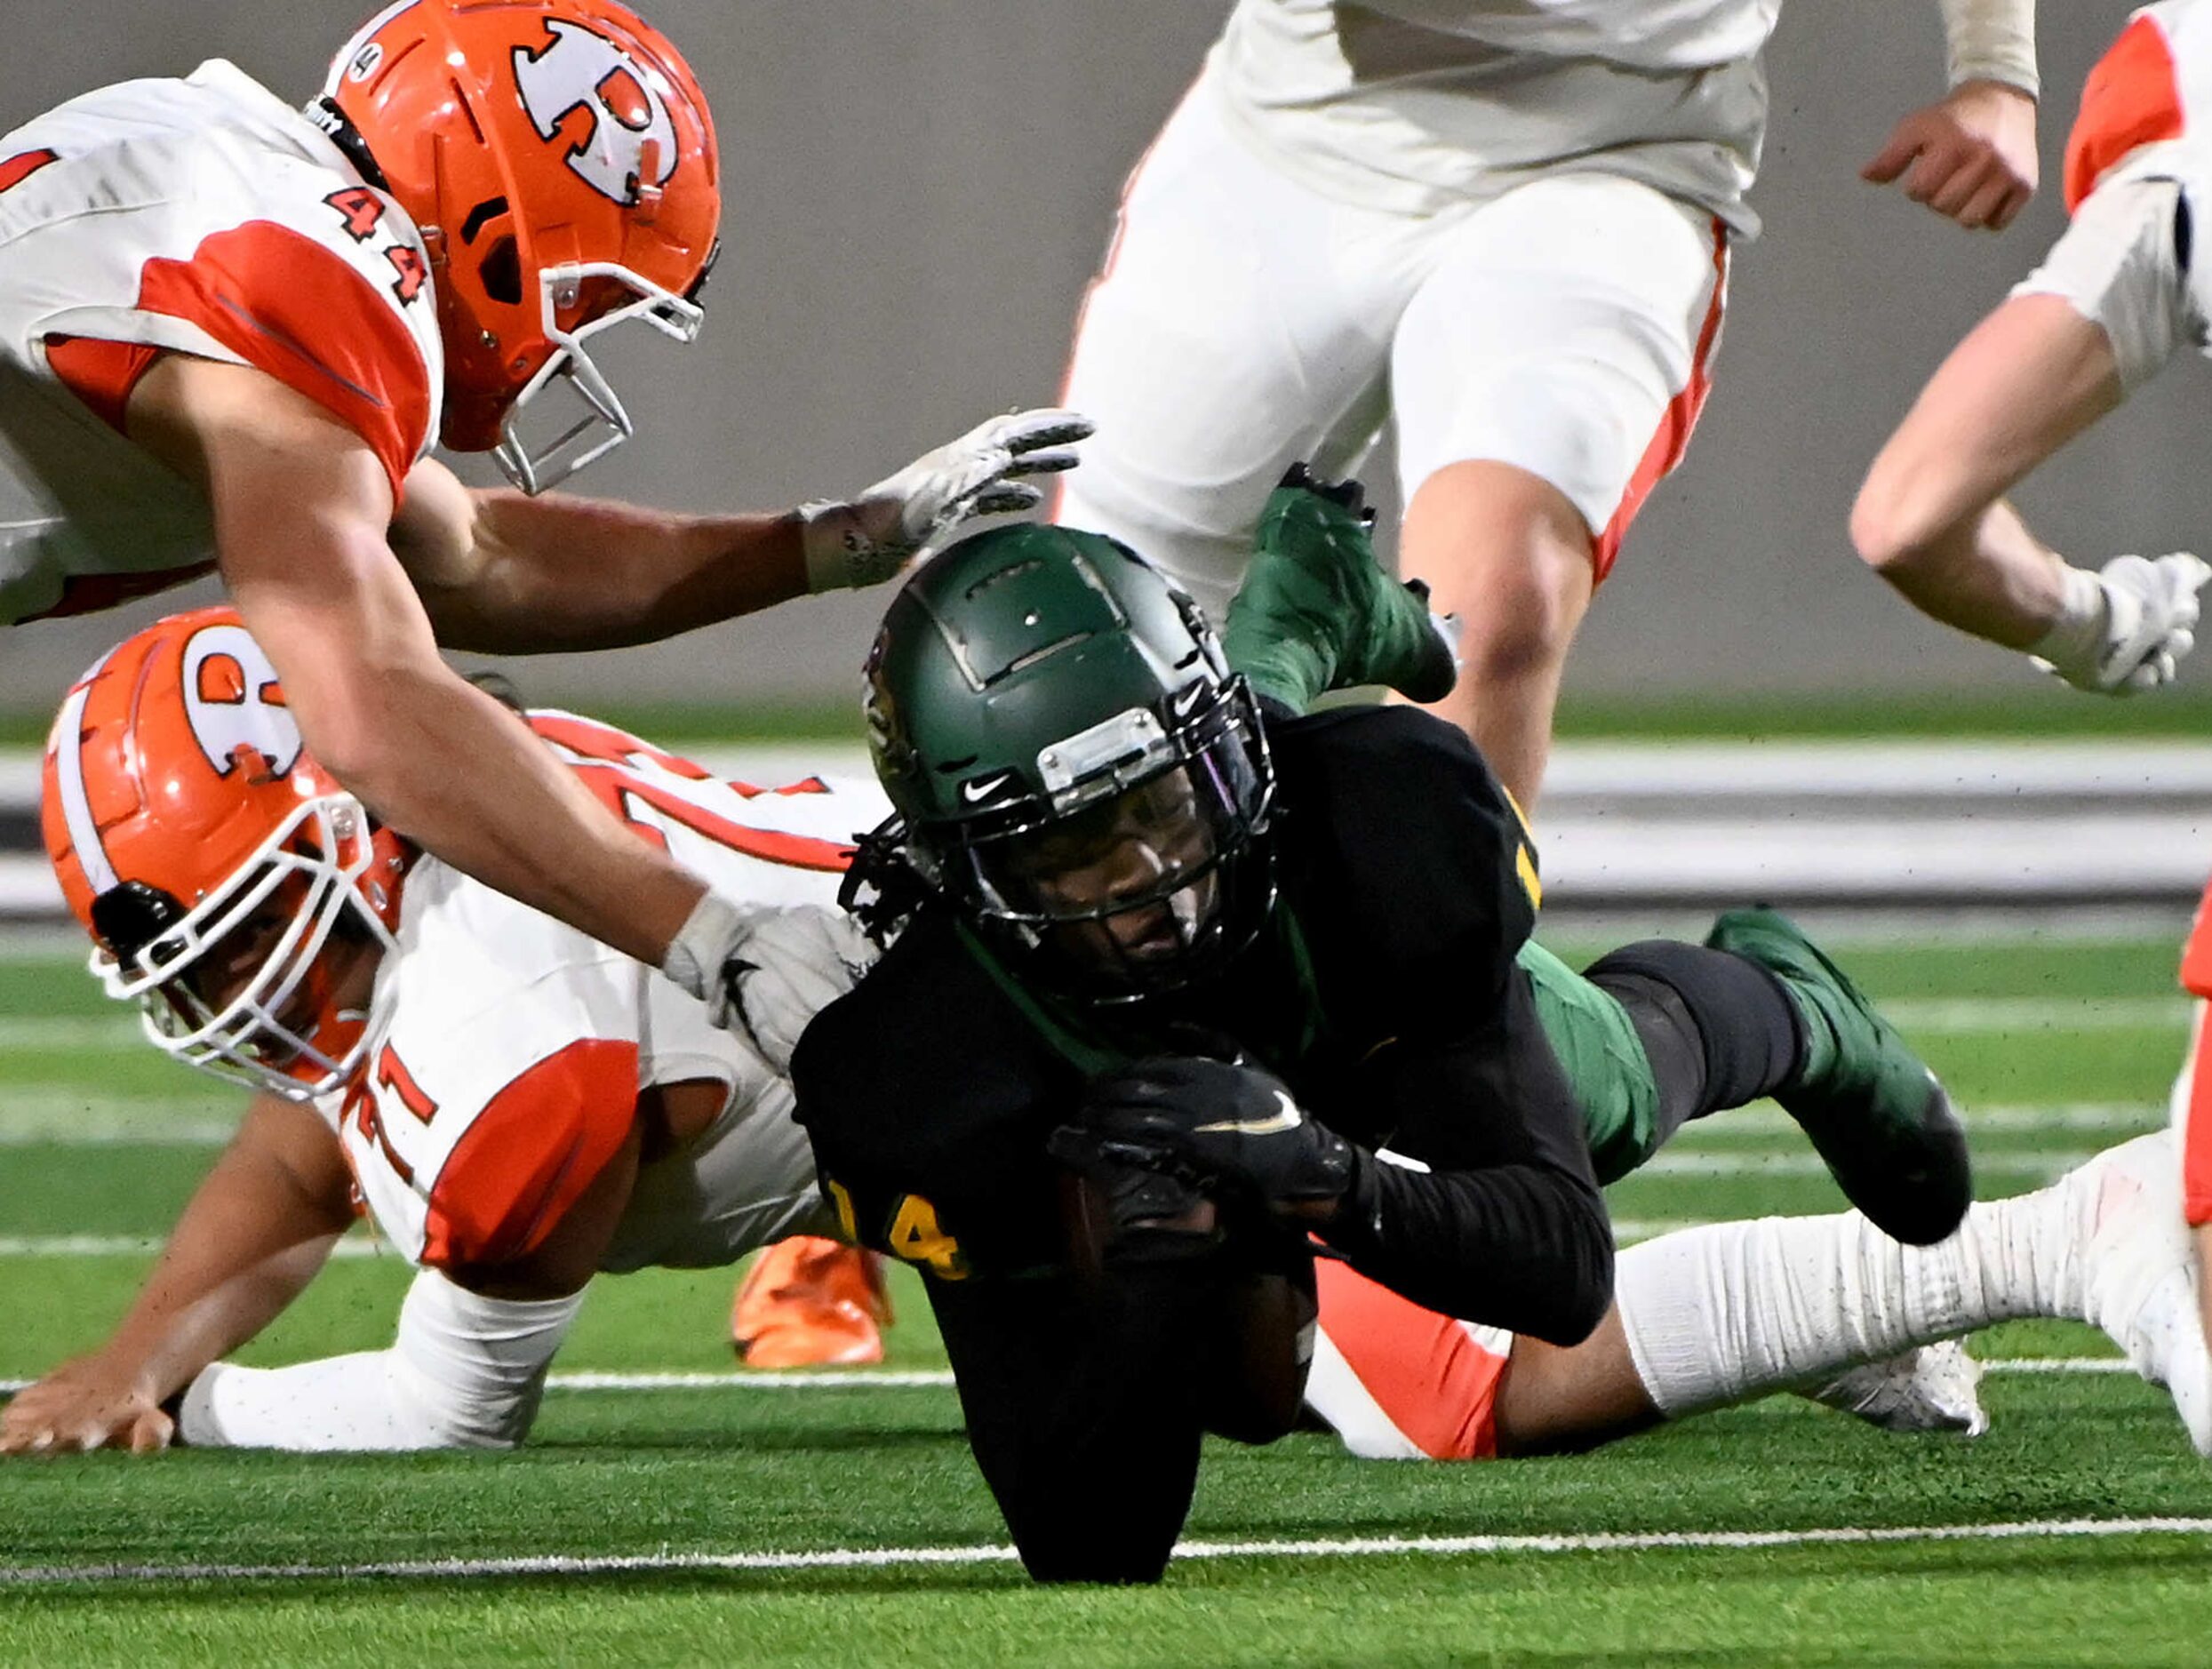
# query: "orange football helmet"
(211, 860)
(558, 158)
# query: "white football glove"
(765, 971)
(2125, 628)
(870, 540)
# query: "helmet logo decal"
(233, 701)
(977, 789)
(365, 61)
(581, 69)
(622, 97)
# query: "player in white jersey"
(515, 1106)
(2122, 292)
(1504, 227)
(230, 331)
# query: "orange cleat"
(811, 1302)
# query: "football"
(1253, 1377)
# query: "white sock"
(465, 1372)
(1733, 1310)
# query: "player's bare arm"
(1930, 517)
(254, 1233)
(1970, 156)
(512, 574)
(300, 509)
(503, 573)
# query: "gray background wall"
(917, 191)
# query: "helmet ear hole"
(501, 273)
(131, 915)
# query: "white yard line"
(825, 1379)
(147, 1245)
(2133, 1117)
(84, 1115)
(1673, 1163)
(929, 1379)
(1990, 929)
(2038, 1014)
(95, 1131)
(882, 1558)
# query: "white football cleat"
(1936, 1388)
(2138, 1270)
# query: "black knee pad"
(1719, 1030)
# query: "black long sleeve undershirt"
(1507, 1226)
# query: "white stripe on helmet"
(76, 810)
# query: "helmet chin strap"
(338, 128)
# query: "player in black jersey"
(1262, 981)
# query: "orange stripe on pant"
(1426, 1372)
(1671, 439)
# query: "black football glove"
(1226, 1129)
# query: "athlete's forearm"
(2024, 382)
(1517, 1246)
(252, 1236)
(561, 574)
(1930, 516)
(1506, 1225)
(1989, 576)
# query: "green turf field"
(754, 1524)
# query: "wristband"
(703, 944)
(837, 551)
(2075, 640)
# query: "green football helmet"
(1075, 769)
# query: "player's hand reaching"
(1230, 1130)
(1970, 156)
(2131, 631)
(92, 1403)
(873, 537)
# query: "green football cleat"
(1316, 611)
(1875, 1113)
